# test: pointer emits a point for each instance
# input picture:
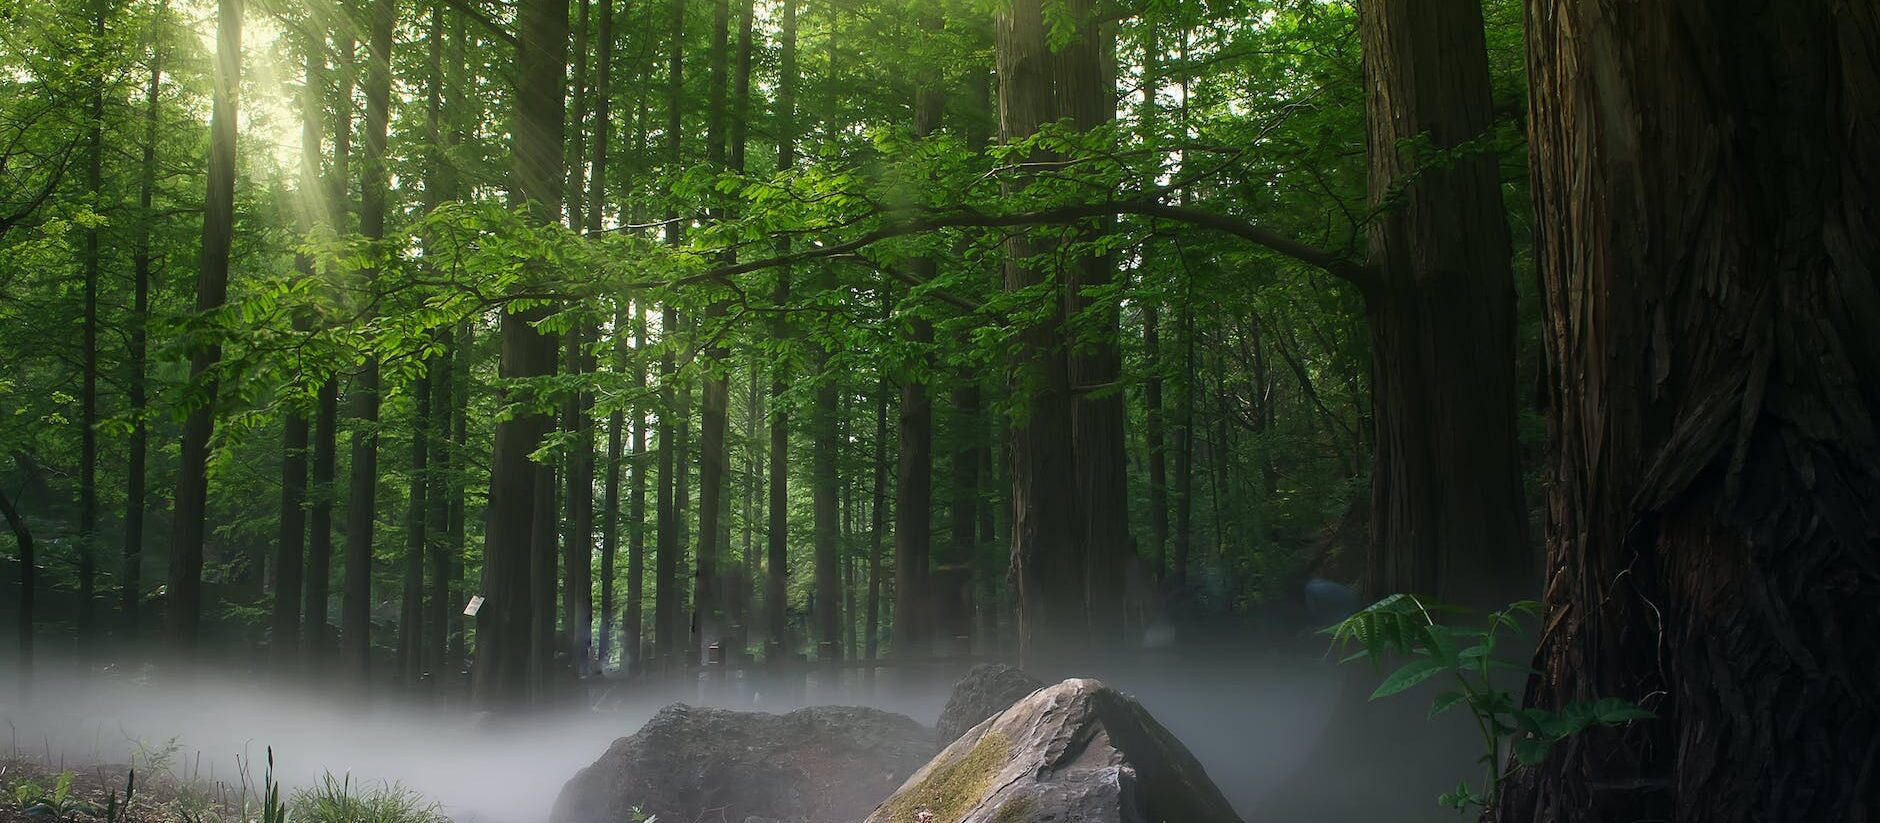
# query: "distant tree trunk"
(1154, 439)
(454, 480)
(913, 487)
(665, 559)
(513, 548)
(322, 491)
(1047, 567)
(184, 609)
(878, 516)
(597, 208)
(1086, 93)
(577, 608)
(1706, 218)
(1440, 304)
(1185, 445)
(362, 496)
(636, 508)
(288, 564)
(437, 509)
(777, 531)
(714, 463)
(439, 185)
(28, 574)
(139, 336)
(825, 485)
(411, 611)
(88, 392)
(739, 138)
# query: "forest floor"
(38, 791)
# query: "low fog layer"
(1257, 723)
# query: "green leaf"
(1414, 672)
(1613, 711)
(1446, 701)
(1531, 750)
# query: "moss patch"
(1013, 811)
(950, 791)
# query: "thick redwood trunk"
(1448, 518)
(1704, 177)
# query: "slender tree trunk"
(1154, 439)
(288, 564)
(1707, 265)
(513, 547)
(139, 336)
(436, 653)
(707, 608)
(878, 516)
(913, 488)
(362, 495)
(411, 612)
(777, 533)
(577, 610)
(616, 420)
(1185, 446)
(88, 393)
(1441, 313)
(636, 508)
(184, 609)
(326, 415)
(455, 488)
(739, 138)
(666, 561)
(29, 563)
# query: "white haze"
(1257, 724)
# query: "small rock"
(985, 691)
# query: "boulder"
(826, 764)
(985, 691)
(1077, 751)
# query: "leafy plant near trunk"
(1463, 649)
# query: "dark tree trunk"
(411, 611)
(323, 492)
(878, 518)
(1440, 301)
(362, 495)
(635, 618)
(1703, 177)
(1047, 568)
(1086, 93)
(455, 487)
(184, 609)
(777, 531)
(29, 562)
(577, 608)
(289, 563)
(504, 660)
(913, 487)
(597, 207)
(139, 336)
(714, 462)
(1154, 439)
(88, 392)
(665, 553)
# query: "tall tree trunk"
(777, 531)
(184, 610)
(29, 562)
(824, 481)
(714, 463)
(88, 393)
(878, 516)
(139, 334)
(597, 208)
(288, 564)
(1047, 568)
(578, 546)
(1707, 265)
(362, 495)
(636, 508)
(1086, 92)
(439, 185)
(913, 487)
(1185, 444)
(666, 629)
(1154, 440)
(739, 138)
(1440, 303)
(458, 505)
(504, 660)
(411, 611)
(322, 491)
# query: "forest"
(432, 390)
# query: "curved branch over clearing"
(1332, 263)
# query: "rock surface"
(985, 691)
(1077, 751)
(827, 764)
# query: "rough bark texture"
(503, 658)
(776, 550)
(1440, 301)
(1046, 566)
(1706, 201)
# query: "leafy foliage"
(1463, 648)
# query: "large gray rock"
(827, 764)
(1077, 751)
(985, 691)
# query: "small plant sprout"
(1405, 625)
